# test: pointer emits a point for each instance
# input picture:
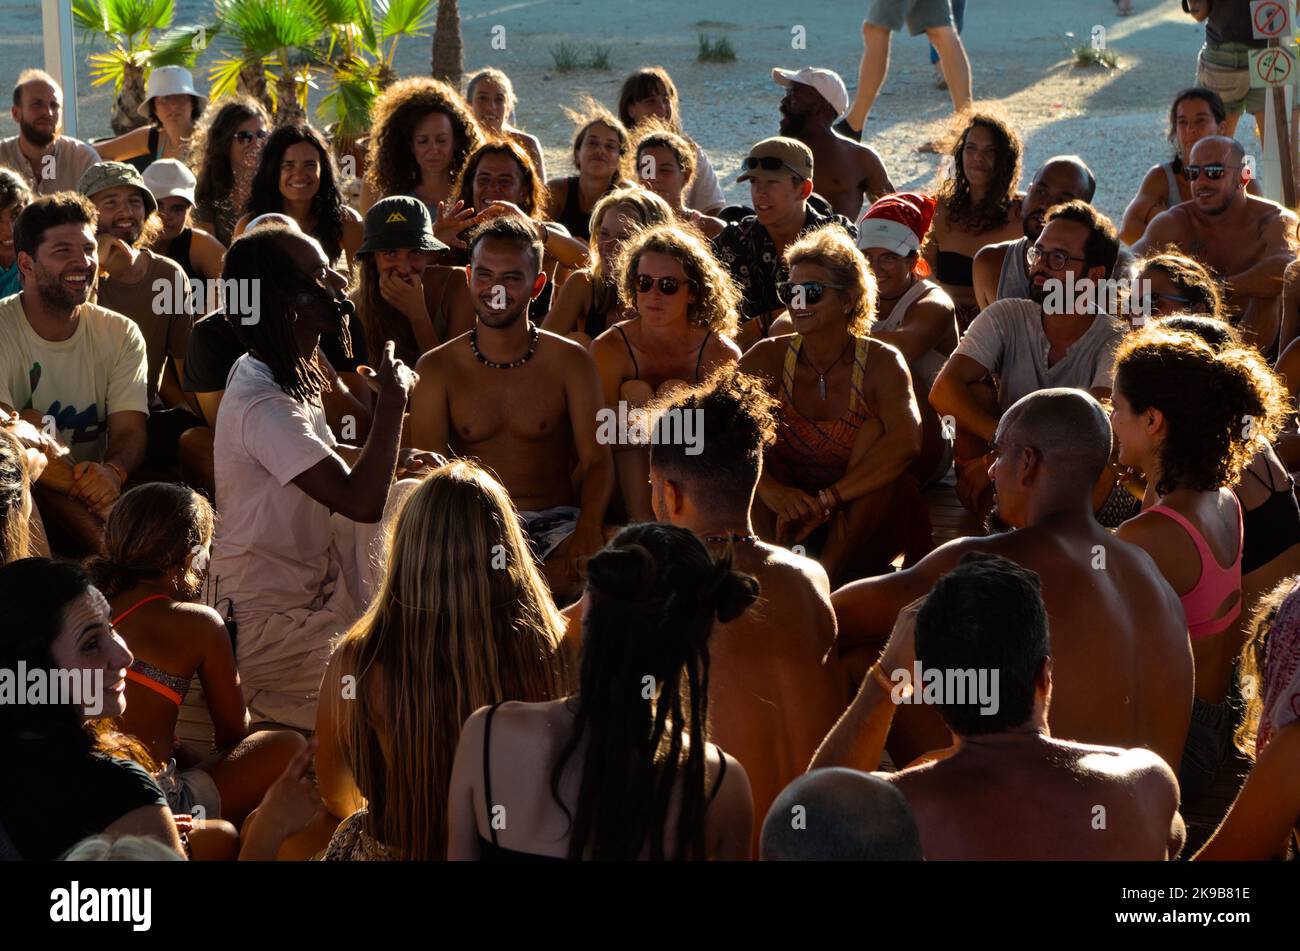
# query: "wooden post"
(60, 56)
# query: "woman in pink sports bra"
(1189, 418)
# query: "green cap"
(103, 175)
(399, 221)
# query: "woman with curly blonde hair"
(421, 133)
(850, 425)
(1190, 417)
(462, 619)
(685, 304)
(587, 305)
(979, 203)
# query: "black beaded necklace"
(532, 348)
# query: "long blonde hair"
(462, 619)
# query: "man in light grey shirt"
(49, 161)
(1029, 345)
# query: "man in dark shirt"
(1224, 61)
(780, 176)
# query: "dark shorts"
(1212, 770)
(920, 15)
(164, 432)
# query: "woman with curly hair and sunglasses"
(225, 155)
(849, 423)
(685, 322)
(421, 133)
(978, 203)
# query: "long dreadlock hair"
(267, 329)
(655, 593)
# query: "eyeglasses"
(1157, 299)
(786, 291)
(668, 286)
(244, 137)
(1056, 260)
(1213, 172)
(770, 164)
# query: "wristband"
(121, 472)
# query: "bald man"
(1008, 789)
(1122, 657)
(772, 696)
(1246, 242)
(1002, 270)
(840, 815)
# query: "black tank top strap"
(594, 323)
(179, 251)
(153, 143)
(627, 343)
(571, 217)
(722, 772)
(699, 360)
(487, 767)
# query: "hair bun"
(731, 593)
(627, 573)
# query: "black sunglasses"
(668, 286)
(1213, 172)
(770, 164)
(812, 291)
(244, 137)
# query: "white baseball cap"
(169, 81)
(825, 81)
(168, 178)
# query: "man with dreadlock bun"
(300, 514)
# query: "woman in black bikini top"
(594, 762)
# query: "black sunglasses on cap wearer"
(770, 164)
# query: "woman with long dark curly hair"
(979, 203)
(621, 770)
(1190, 416)
(297, 177)
(421, 133)
(225, 155)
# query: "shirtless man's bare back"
(849, 175)
(523, 402)
(1246, 242)
(1114, 619)
(773, 692)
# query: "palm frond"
(181, 46)
(223, 76)
(349, 102)
(110, 67)
(406, 18)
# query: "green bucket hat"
(103, 175)
(399, 221)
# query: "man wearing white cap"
(197, 252)
(172, 105)
(846, 171)
(48, 160)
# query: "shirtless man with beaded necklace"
(523, 402)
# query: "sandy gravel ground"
(1018, 48)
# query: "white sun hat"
(169, 81)
(168, 178)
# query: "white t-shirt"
(100, 369)
(272, 550)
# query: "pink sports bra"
(1216, 582)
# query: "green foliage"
(716, 51)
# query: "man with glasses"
(780, 176)
(1246, 242)
(1025, 345)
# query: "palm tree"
(268, 51)
(128, 26)
(448, 51)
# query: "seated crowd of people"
(589, 517)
